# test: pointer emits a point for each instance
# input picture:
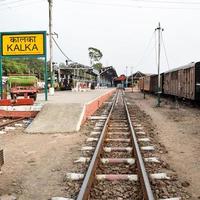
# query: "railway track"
(4, 124)
(117, 167)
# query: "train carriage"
(183, 82)
(149, 83)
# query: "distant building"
(134, 78)
(69, 75)
(107, 76)
(120, 80)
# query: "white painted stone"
(2, 132)
(26, 121)
(19, 125)
(130, 161)
(143, 139)
(74, 176)
(109, 149)
(133, 177)
(92, 139)
(159, 176)
(152, 159)
(95, 133)
(137, 125)
(82, 160)
(140, 133)
(148, 148)
(9, 128)
(138, 128)
(118, 133)
(87, 148)
(99, 124)
(98, 117)
(60, 198)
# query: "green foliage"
(24, 66)
(22, 81)
(97, 66)
(94, 54)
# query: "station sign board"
(23, 44)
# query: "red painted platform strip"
(92, 106)
(17, 102)
(17, 114)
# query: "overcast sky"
(122, 29)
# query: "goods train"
(181, 82)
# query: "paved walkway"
(66, 110)
(72, 97)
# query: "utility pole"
(159, 29)
(51, 46)
(126, 77)
(132, 78)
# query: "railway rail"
(117, 150)
(11, 122)
(117, 169)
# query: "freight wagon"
(183, 82)
(149, 83)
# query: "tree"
(24, 66)
(97, 66)
(95, 55)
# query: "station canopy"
(74, 66)
(108, 73)
(136, 76)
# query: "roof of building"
(136, 75)
(108, 72)
(122, 77)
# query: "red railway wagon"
(183, 82)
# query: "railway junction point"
(65, 111)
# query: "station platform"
(65, 111)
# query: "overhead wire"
(132, 6)
(15, 5)
(169, 2)
(146, 49)
(164, 47)
(61, 49)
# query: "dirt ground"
(178, 129)
(35, 164)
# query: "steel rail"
(144, 179)
(13, 121)
(90, 174)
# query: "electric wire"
(61, 50)
(9, 6)
(169, 2)
(164, 47)
(133, 6)
(146, 49)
